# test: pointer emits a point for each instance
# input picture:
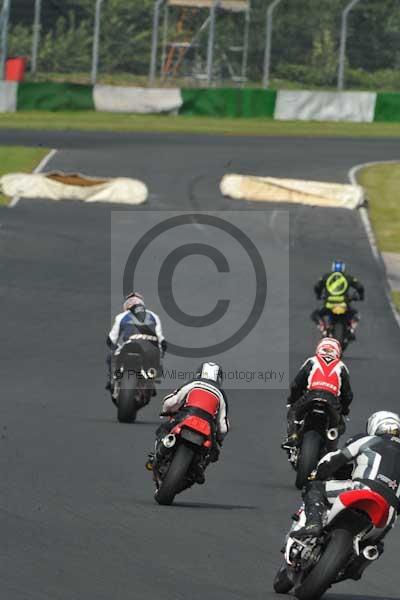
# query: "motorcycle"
(133, 379)
(348, 544)
(178, 454)
(319, 426)
(336, 322)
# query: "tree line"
(304, 49)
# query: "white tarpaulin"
(8, 96)
(111, 98)
(61, 186)
(313, 193)
(233, 5)
(325, 106)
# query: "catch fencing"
(309, 44)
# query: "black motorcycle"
(319, 426)
(335, 323)
(135, 374)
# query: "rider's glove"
(323, 471)
(345, 411)
(164, 346)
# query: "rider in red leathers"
(324, 376)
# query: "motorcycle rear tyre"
(127, 408)
(309, 457)
(333, 560)
(282, 581)
(339, 333)
(176, 473)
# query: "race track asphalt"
(77, 518)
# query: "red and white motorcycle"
(348, 543)
(178, 456)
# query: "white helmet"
(329, 347)
(211, 371)
(383, 422)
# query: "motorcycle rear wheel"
(282, 582)
(308, 458)
(127, 408)
(333, 560)
(339, 333)
(176, 473)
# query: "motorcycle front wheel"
(176, 473)
(333, 560)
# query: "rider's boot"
(314, 506)
(292, 437)
(150, 461)
(352, 329)
(291, 441)
(199, 475)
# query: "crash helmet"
(133, 299)
(134, 302)
(210, 371)
(329, 347)
(338, 266)
(384, 422)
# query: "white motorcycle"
(348, 543)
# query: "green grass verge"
(396, 299)
(382, 183)
(97, 121)
(15, 159)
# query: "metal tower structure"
(189, 30)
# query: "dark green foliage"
(304, 48)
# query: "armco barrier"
(214, 102)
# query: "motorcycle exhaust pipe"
(332, 434)
(371, 553)
(169, 440)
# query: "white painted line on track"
(369, 231)
(38, 169)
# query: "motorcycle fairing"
(368, 501)
(196, 424)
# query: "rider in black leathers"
(374, 461)
(323, 375)
(136, 322)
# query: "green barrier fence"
(387, 107)
(54, 96)
(213, 102)
(228, 102)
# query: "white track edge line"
(370, 233)
(38, 169)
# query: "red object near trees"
(15, 68)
